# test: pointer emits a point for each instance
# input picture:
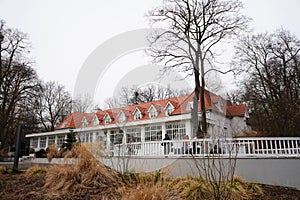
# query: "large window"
(34, 142)
(101, 138)
(88, 137)
(60, 140)
(51, 140)
(133, 135)
(116, 137)
(43, 142)
(153, 133)
(176, 130)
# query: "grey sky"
(64, 33)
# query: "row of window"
(59, 140)
(152, 133)
(175, 131)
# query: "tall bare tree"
(82, 103)
(54, 105)
(270, 65)
(131, 95)
(191, 29)
(18, 82)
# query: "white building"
(147, 122)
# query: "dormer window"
(169, 108)
(137, 115)
(121, 116)
(107, 119)
(95, 120)
(152, 112)
(84, 122)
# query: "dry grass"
(192, 188)
(51, 152)
(146, 187)
(34, 170)
(146, 191)
(197, 188)
(84, 174)
(242, 189)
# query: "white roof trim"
(168, 104)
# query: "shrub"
(40, 154)
(31, 151)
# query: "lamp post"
(18, 144)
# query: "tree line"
(24, 98)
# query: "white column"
(188, 128)
(38, 146)
(107, 139)
(124, 136)
(47, 138)
(143, 133)
(163, 129)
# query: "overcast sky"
(63, 33)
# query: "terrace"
(262, 147)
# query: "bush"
(31, 151)
(40, 154)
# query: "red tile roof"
(237, 110)
(212, 102)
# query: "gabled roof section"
(237, 110)
(75, 120)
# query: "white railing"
(240, 147)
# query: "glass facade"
(175, 130)
(51, 140)
(133, 135)
(153, 133)
(43, 142)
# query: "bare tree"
(191, 29)
(18, 82)
(131, 95)
(270, 65)
(83, 103)
(54, 105)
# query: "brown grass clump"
(146, 191)
(197, 188)
(241, 189)
(147, 187)
(86, 173)
(51, 152)
(192, 188)
(34, 170)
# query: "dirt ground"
(17, 186)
